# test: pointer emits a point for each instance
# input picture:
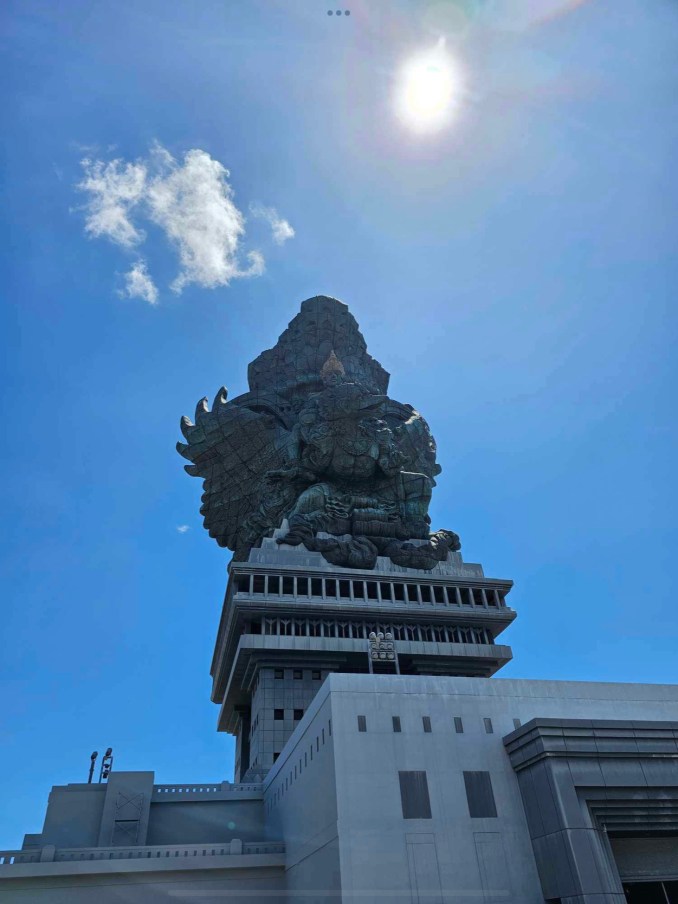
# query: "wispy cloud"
(138, 283)
(183, 528)
(192, 203)
(281, 229)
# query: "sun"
(428, 90)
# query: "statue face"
(333, 379)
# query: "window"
(279, 674)
(274, 584)
(516, 723)
(276, 755)
(362, 723)
(479, 795)
(278, 714)
(458, 725)
(426, 720)
(258, 583)
(315, 674)
(396, 723)
(298, 714)
(297, 674)
(414, 797)
(288, 585)
(488, 726)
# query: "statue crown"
(332, 366)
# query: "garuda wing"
(231, 448)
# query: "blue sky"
(514, 271)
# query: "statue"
(350, 469)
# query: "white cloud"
(114, 189)
(282, 231)
(138, 283)
(190, 201)
(183, 528)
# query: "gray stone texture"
(318, 442)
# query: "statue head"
(332, 372)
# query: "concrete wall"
(208, 887)
(452, 856)
(193, 822)
(301, 806)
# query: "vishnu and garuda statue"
(317, 447)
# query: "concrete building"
(377, 759)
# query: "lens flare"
(428, 90)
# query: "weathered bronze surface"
(318, 441)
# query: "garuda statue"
(317, 443)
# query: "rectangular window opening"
(458, 725)
(345, 589)
(479, 795)
(316, 587)
(362, 723)
(414, 795)
(396, 724)
(297, 674)
(488, 726)
(298, 714)
(278, 714)
(279, 674)
(372, 591)
(426, 721)
(385, 591)
(399, 593)
(258, 583)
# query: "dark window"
(414, 795)
(412, 593)
(242, 583)
(426, 720)
(316, 587)
(329, 727)
(330, 587)
(362, 723)
(438, 594)
(276, 755)
(315, 674)
(302, 586)
(288, 586)
(258, 583)
(458, 725)
(273, 584)
(345, 589)
(372, 591)
(358, 590)
(479, 795)
(488, 726)
(516, 723)
(399, 593)
(298, 674)
(396, 723)
(298, 714)
(425, 593)
(279, 674)
(385, 591)
(279, 714)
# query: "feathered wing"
(413, 439)
(231, 448)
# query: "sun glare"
(428, 91)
